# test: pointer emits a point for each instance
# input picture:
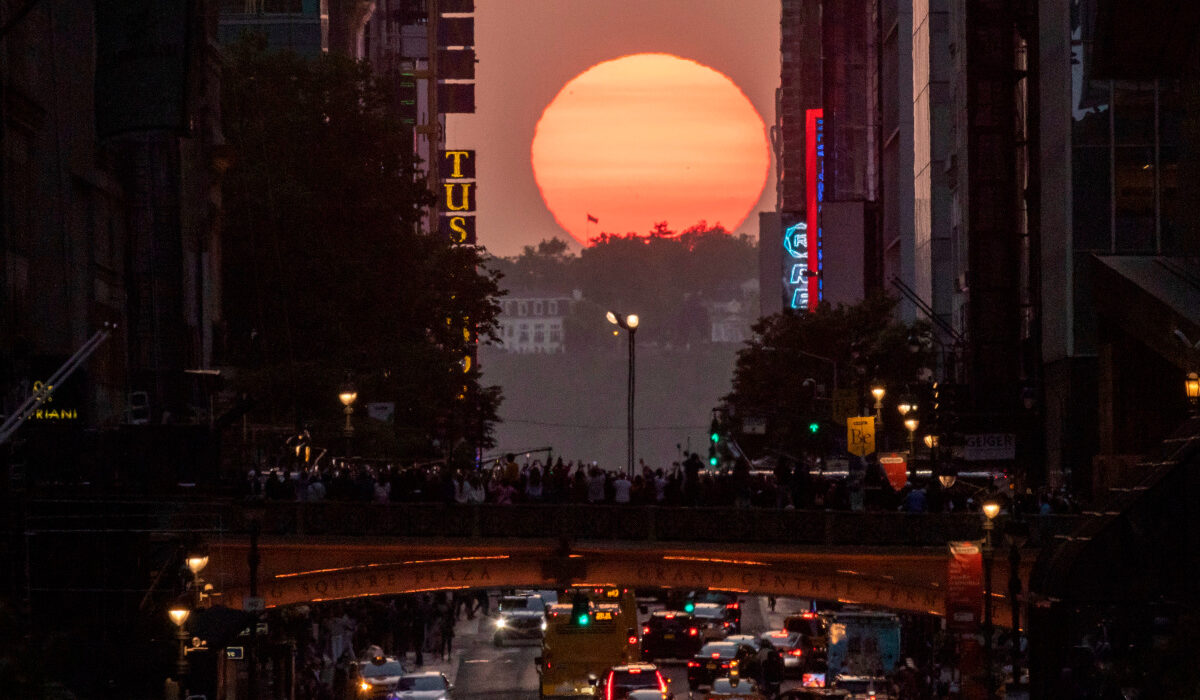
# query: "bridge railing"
(635, 523)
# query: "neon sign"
(795, 243)
(814, 184)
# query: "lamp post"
(878, 390)
(630, 323)
(179, 615)
(348, 395)
(1192, 386)
(254, 514)
(195, 564)
(990, 510)
(911, 423)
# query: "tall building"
(1120, 158)
(824, 139)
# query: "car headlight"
(501, 622)
(544, 625)
(364, 686)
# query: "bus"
(589, 632)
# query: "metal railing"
(818, 528)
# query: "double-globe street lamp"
(630, 323)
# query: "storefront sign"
(860, 435)
(964, 588)
(980, 447)
(457, 222)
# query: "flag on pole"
(592, 220)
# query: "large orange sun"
(646, 138)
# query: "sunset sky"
(528, 50)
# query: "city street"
(478, 669)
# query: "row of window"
(539, 307)
(537, 333)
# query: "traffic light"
(580, 613)
(814, 427)
(689, 606)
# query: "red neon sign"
(812, 201)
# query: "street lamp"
(195, 564)
(990, 510)
(348, 395)
(179, 615)
(911, 423)
(630, 323)
(1192, 386)
(877, 390)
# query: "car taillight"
(635, 670)
(632, 639)
(725, 624)
(796, 652)
(716, 655)
(693, 664)
(645, 630)
(662, 682)
(692, 631)
(608, 687)
(733, 606)
(725, 665)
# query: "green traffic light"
(715, 437)
(583, 620)
(814, 427)
(689, 606)
(712, 461)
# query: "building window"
(523, 334)
(552, 308)
(523, 309)
(539, 333)
(537, 308)
(555, 333)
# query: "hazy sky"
(529, 49)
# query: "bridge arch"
(627, 569)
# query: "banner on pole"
(895, 465)
(860, 435)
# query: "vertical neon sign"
(814, 184)
(795, 242)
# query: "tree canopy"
(664, 277)
(863, 342)
(327, 272)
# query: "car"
(791, 646)
(670, 634)
(519, 619)
(712, 621)
(813, 631)
(621, 681)
(718, 659)
(729, 601)
(734, 687)
(378, 675)
(429, 685)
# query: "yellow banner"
(860, 435)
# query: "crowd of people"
(685, 483)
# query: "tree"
(665, 277)
(864, 340)
(327, 271)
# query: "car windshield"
(710, 612)
(520, 603)
(718, 650)
(388, 668)
(724, 685)
(782, 641)
(629, 680)
(421, 683)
